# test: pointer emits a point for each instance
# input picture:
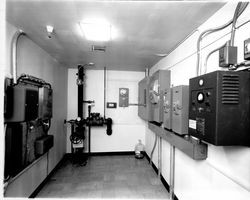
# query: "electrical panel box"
(123, 97)
(143, 98)
(167, 108)
(22, 103)
(45, 103)
(219, 108)
(247, 49)
(227, 56)
(180, 109)
(159, 82)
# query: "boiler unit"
(143, 98)
(180, 109)
(219, 108)
(159, 82)
(167, 108)
(22, 103)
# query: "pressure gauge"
(123, 92)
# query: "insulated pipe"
(80, 91)
(151, 155)
(14, 54)
(172, 171)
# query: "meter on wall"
(123, 97)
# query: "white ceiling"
(144, 28)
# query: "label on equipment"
(192, 124)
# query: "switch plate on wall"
(123, 97)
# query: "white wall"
(33, 60)
(127, 126)
(2, 65)
(225, 174)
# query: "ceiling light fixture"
(96, 31)
(49, 30)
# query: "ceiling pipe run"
(14, 54)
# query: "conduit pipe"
(205, 64)
(14, 54)
(212, 30)
(159, 157)
(172, 171)
(146, 72)
(233, 23)
(105, 88)
(151, 155)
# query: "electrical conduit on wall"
(173, 62)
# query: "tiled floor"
(106, 177)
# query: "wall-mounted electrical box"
(247, 49)
(123, 97)
(167, 108)
(45, 103)
(219, 108)
(143, 98)
(227, 56)
(159, 82)
(180, 109)
(22, 103)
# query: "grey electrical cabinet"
(180, 109)
(143, 98)
(159, 82)
(167, 108)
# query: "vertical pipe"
(80, 91)
(159, 157)
(89, 129)
(14, 54)
(146, 72)
(104, 111)
(151, 155)
(172, 171)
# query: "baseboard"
(38, 189)
(164, 182)
(115, 153)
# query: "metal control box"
(167, 108)
(227, 56)
(22, 103)
(45, 103)
(159, 82)
(219, 108)
(143, 98)
(180, 109)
